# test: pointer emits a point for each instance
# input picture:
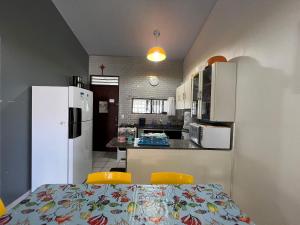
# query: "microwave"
(209, 136)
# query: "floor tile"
(99, 164)
(106, 169)
(111, 164)
(96, 153)
(104, 161)
(96, 169)
(101, 159)
(122, 163)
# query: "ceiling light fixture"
(156, 53)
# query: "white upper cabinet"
(180, 97)
(188, 94)
(184, 95)
(217, 92)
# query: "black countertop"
(178, 144)
(157, 127)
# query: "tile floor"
(104, 161)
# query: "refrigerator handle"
(75, 118)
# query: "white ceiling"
(125, 27)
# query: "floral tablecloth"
(127, 204)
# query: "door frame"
(90, 83)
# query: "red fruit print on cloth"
(89, 193)
(245, 219)
(161, 193)
(199, 200)
(189, 195)
(5, 219)
(124, 199)
(62, 219)
(98, 220)
(190, 220)
(116, 195)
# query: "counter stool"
(171, 178)
(2, 208)
(109, 178)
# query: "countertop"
(157, 127)
(176, 144)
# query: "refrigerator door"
(81, 98)
(49, 135)
(80, 155)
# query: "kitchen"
(157, 158)
(79, 95)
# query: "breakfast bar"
(206, 165)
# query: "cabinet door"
(223, 92)
(179, 97)
(206, 93)
(218, 92)
(195, 96)
(199, 106)
(188, 94)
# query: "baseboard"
(18, 200)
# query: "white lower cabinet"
(207, 166)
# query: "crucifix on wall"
(102, 67)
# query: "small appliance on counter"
(209, 136)
(127, 134)
(142, 122)
(77, 81)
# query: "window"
(149, 106)
(105, 80)
(141, 106)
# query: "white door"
(49, 135)
(80, 153)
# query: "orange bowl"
(215, 59)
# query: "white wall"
(263, 37)
(134, 72)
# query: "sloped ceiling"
(125, 27)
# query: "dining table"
(127, 204)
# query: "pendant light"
(156, 53)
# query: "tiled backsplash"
(134, 73)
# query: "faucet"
(160, 121)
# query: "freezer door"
(81, 98)
(80, 154)
(49, 136)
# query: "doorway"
(105, 110)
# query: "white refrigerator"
(62, 120)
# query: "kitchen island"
(206, 165)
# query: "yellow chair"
(171, 178)
(2, 208)
(109, 178)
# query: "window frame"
(151, 106)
